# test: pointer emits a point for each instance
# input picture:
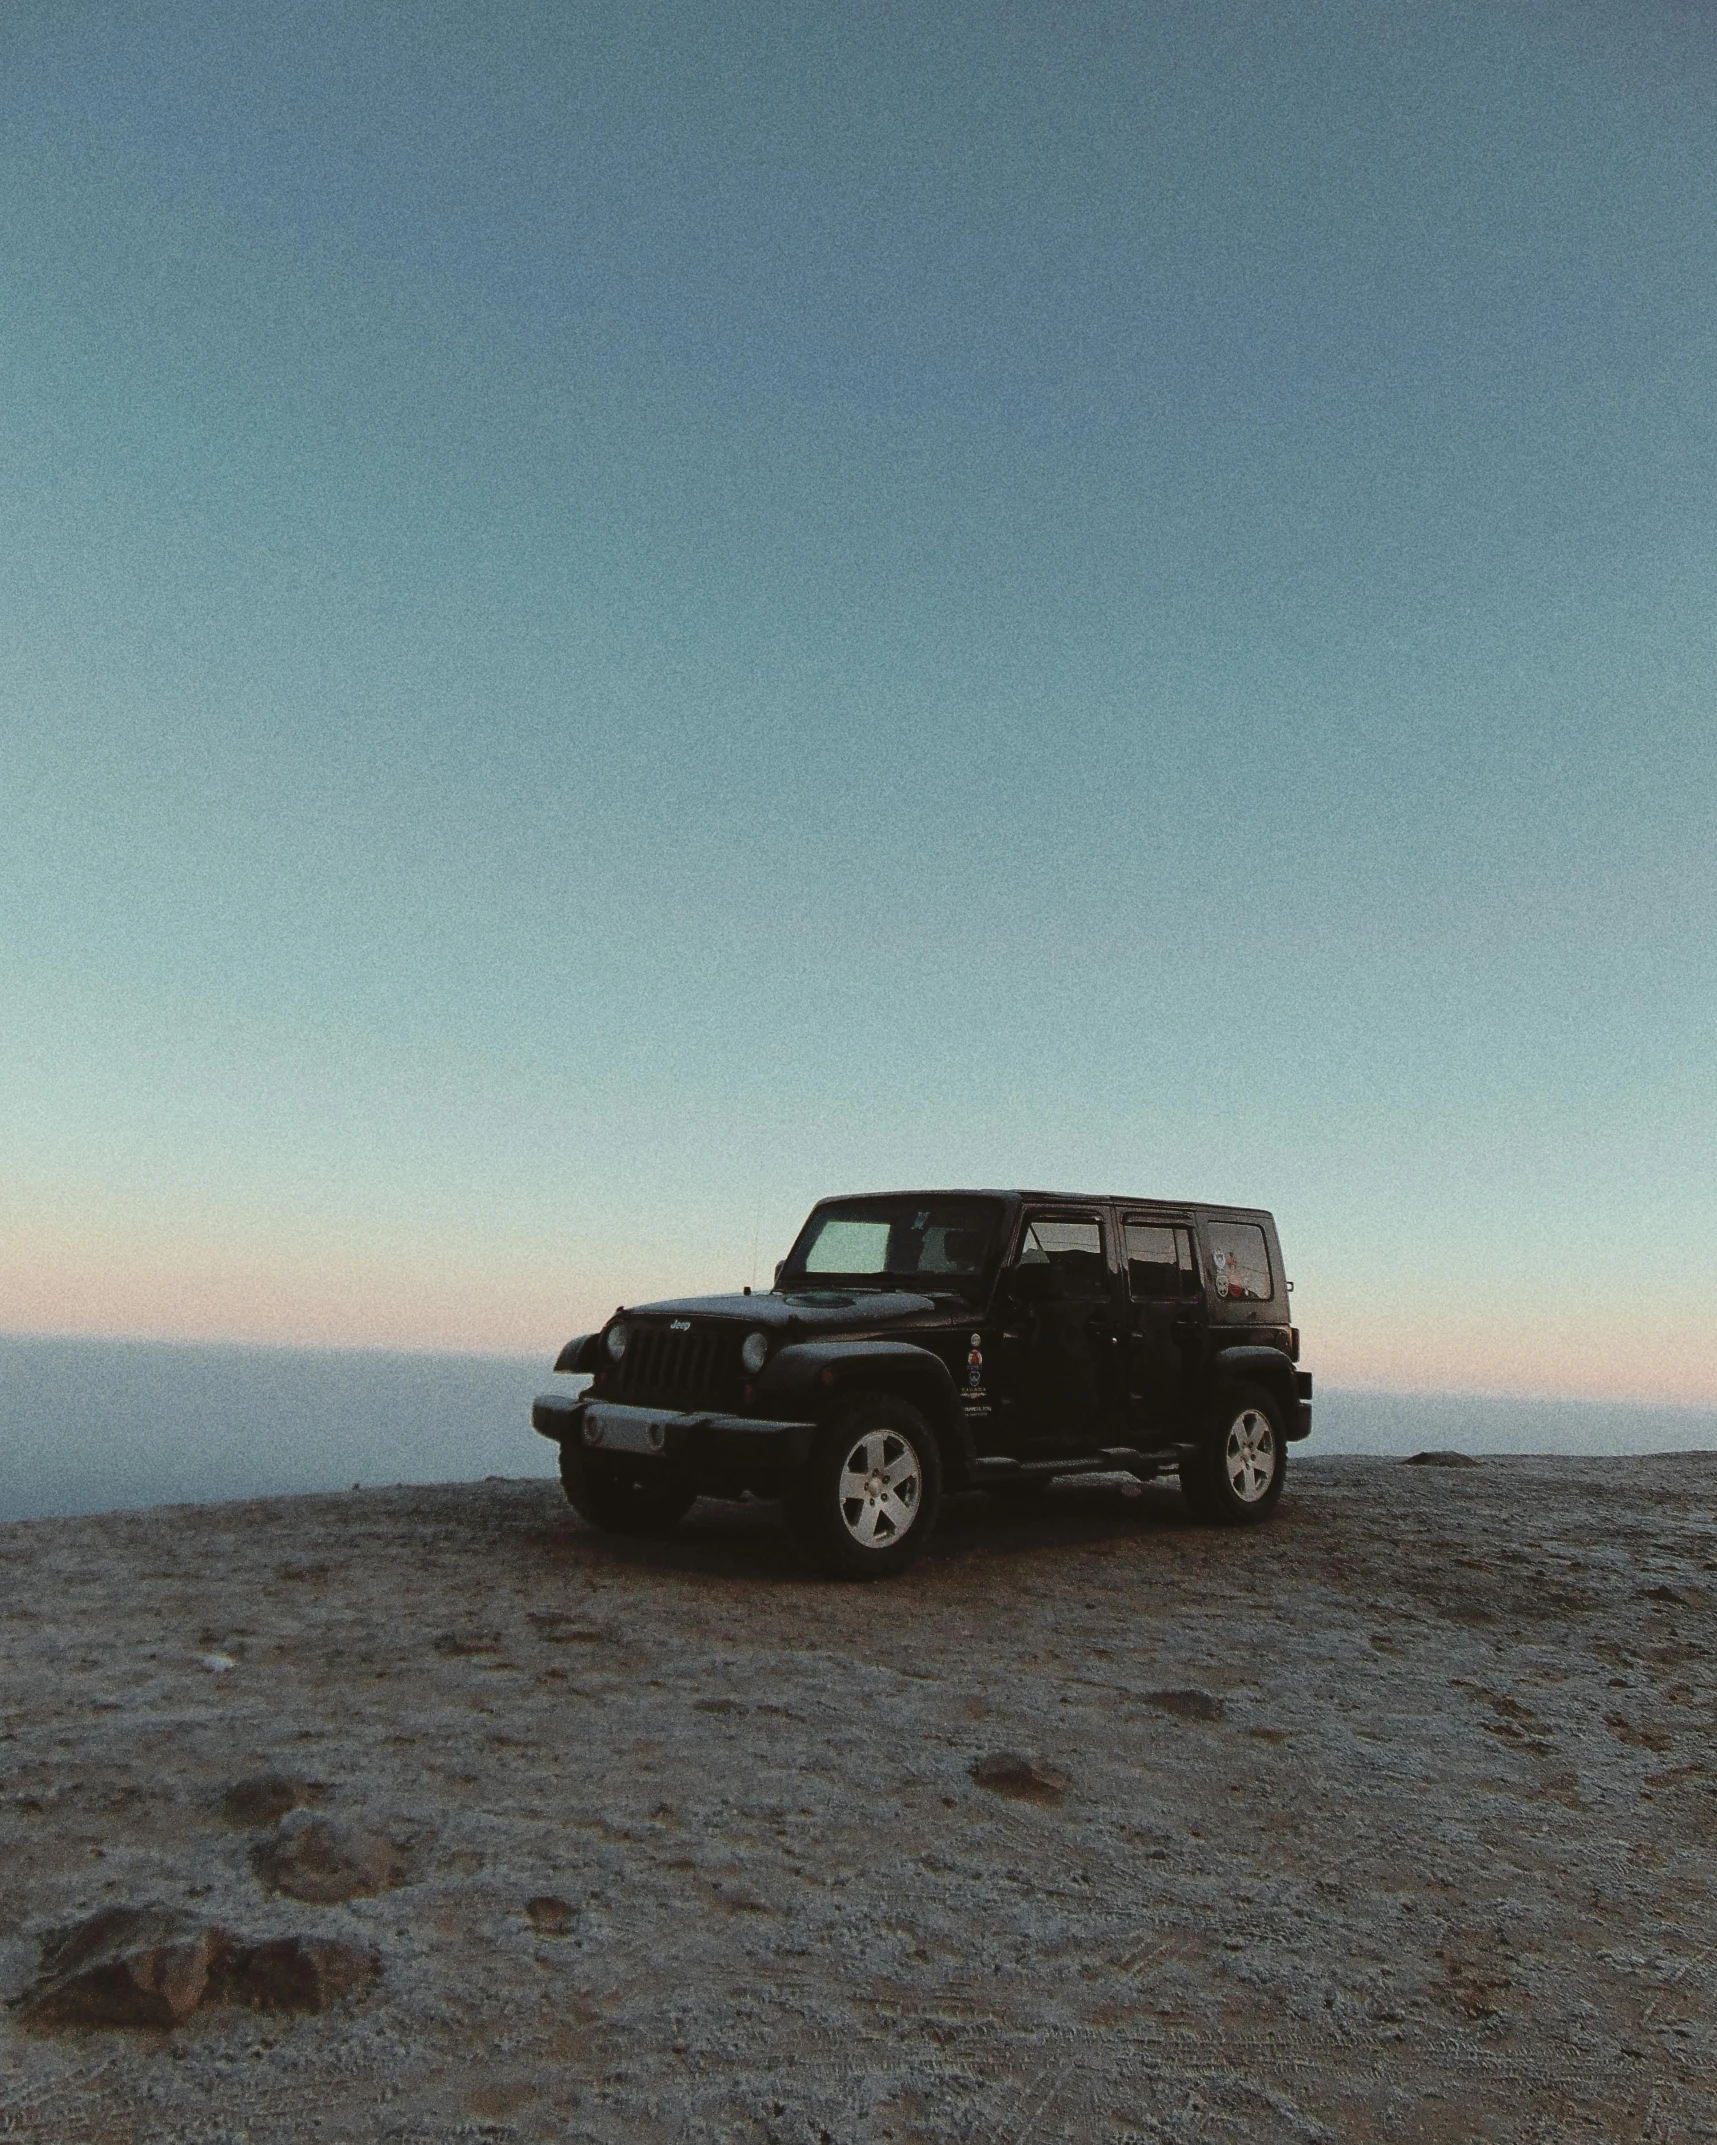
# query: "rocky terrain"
(428, 1814)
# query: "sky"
(617, 617)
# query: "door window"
(1071, 1250)
(1242, 1262)
(1159, 1260)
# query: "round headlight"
(616, 1342)
(755, 1353)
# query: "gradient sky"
(615, 617)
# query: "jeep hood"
(801, 1311)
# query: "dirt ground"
(1394, 1818)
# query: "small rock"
(1007, 1772)
(548, 1915)
(561, 1629)
(1442, 1459)
(1664, 1594)
(456, 1643)
(1186, 1705)
(264, 1799)
(322, 1861)
(217, 1664)
(127, 1966)
(1638, 1735)
(292, 1973)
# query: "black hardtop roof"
(1074, 1199)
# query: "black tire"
(619, 1500)
(1235, 1477)
(870, 1492)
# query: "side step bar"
(1112, 1460)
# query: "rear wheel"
(1235, 1476)
(618, 1499)
(869, 1495)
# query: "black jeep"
(917, 1342)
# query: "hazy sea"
(92, 1426)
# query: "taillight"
(1293, 1344)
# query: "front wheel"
(618, 1500)
(1235, 1475)
(870, 1491)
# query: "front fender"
(804, 1377)
(581, 1353)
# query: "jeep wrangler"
(920, 1342)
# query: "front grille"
(664, 1369)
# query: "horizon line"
(1518, 1396)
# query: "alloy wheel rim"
(1250, 1455)
(882, 1484)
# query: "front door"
(1060, 1337)
(1165, 1305)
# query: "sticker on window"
(1241, 1261)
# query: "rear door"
(1165, 1322)
(1059, 1387)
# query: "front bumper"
(691, 1444)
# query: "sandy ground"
(1394, 1818)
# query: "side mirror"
(1033, 1284)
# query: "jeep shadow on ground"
(729, 1540)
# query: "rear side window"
(1159, 1260)
(1241, 1261)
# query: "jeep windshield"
(916, 1242)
